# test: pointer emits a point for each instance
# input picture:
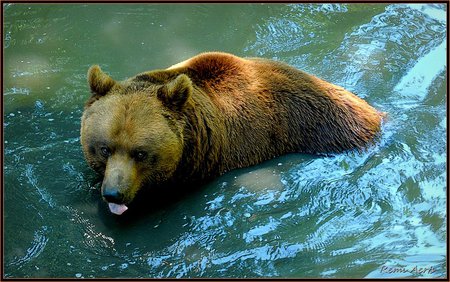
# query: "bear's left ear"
(99, 82)
(175, 93)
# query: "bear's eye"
(167, 116)
(140, 156)
(105, 151)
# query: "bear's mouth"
(117, 209)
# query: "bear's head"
(132, 132)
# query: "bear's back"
(311, 114)
(225, 74)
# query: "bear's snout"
(114, 185)
(113, 190)
(119, 180)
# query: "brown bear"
(210, 114)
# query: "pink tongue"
(117, 209)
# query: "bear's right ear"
(175, 93)
(99, 82)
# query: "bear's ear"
(175, 93)
(99, 82)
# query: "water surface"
(378, 214)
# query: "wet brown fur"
(216, 112)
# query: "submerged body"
(210, 114)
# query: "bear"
(210, 114)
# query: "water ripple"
(32, 179)
(95, 241)
(40, 240)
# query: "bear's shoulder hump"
(215, 66)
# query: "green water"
(379, 214)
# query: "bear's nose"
(112, 195)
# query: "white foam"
(431, 11)
(416, 82)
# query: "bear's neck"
(202, 157)
(213, 142)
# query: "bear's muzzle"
(116, 183)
